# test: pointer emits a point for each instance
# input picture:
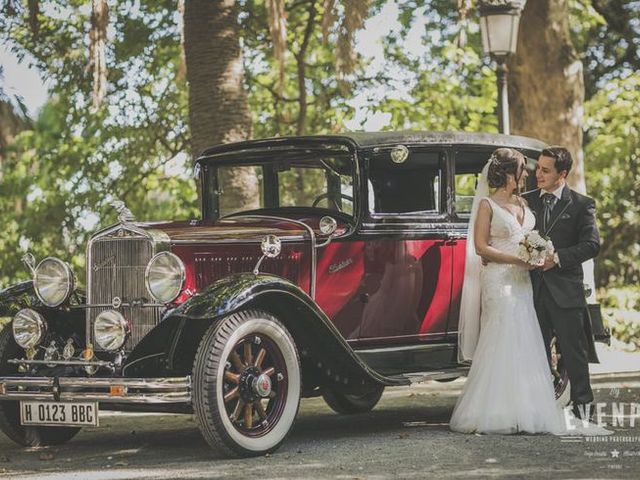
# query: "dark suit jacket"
(573, 231)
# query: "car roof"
(372, 139)
(378, 139)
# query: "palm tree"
(218, 107)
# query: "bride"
(509, 388)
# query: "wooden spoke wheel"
(246, 384)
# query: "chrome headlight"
(28, 328)
(110, 330)
(53, 281)
(165, 276)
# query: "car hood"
(238, 229)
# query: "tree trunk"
(218, 106)
(11, 124)
(546, 85)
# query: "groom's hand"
(485, 262)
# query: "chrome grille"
(117, 266)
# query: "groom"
(568, 218)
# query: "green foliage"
(621, 311)
(59, 177)
(613, 178)
(605, 34)
(452, 85)
(311, 87)
(625, 326)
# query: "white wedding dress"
(509, 388)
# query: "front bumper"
(173, 390)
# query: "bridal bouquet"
(534, 248)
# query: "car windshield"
(309, 180)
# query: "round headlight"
(164, 276)
(28, 328)
(110, 330)
(53, 281)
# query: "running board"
(419, 377)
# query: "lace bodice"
(502, 280)
(506, 232)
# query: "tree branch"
(300, 59)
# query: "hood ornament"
(124, 214)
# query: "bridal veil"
(470, 304)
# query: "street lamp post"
(499, 21)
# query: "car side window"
(412, 186)
(465, 190)
(468, 165)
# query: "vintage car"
(323, 265)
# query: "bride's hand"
(526, 265)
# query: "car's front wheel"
(349, 403)
(9, 410)
(246, 384)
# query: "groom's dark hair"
(562, 157)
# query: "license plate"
(64, 414)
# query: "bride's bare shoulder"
(485, 203)
(485, 209)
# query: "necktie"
(549, 200)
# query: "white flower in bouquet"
(534, 248)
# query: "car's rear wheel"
(9, 411)
(349, 403)
(561, 383)
(246, 384)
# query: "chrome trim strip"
(230, 241)
(312, 235)
(124, 304)
(146, 390)
(79, 363)
(406, 348)
(409, 229)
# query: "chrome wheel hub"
(262, 385)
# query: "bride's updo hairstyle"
(503, 161)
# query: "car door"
(406, 285)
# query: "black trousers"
(568, 325)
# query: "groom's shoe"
(583, 411)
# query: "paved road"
(406, 436)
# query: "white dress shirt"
(558, 194)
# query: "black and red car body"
(339, 276)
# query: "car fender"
(326, 357)
(18, 296)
